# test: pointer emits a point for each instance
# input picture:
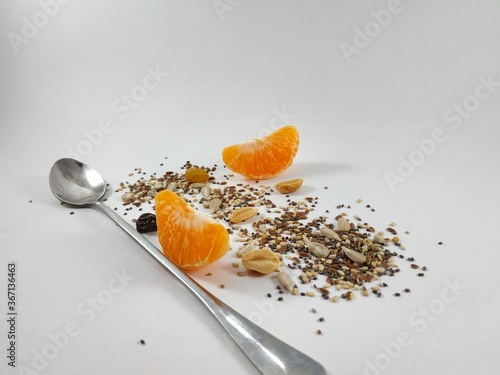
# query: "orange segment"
(265, 157)
(189, 239)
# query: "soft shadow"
(311, 169)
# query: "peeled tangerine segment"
(189, 239)
(266, 157)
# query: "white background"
(232, 73)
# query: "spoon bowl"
(77, 184)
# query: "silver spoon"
(77, 184)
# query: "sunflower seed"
(286, 281)
(172, 186)
(354, 255)
(243, 250)
(128, 197)
(205, 191)
(329, 233)
(214, 204)
(379, 238)
(344, 225)
(317, 249)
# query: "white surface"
(228, 77)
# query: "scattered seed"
(289, 186)
(242, 214)
(344, 225)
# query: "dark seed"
(407, 290)
(397, 294)
(142, 342)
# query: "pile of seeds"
(341, 254)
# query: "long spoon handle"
(268, 354)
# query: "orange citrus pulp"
(189, 239)
(265, 157)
